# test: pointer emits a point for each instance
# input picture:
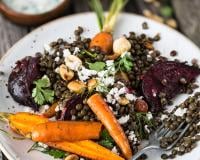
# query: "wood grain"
(9, 33)
(188, 15)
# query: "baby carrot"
(66, 131)
(105, 115)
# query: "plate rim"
(4, 147)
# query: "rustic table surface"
(185, 12)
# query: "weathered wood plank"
(188, 15)
(9, 33)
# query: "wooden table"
(186, 12)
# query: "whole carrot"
(66, 131)
(105, 115)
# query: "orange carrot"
(105, 115)
(23, 122)
(66, 131)
(87, 149)
(104, 41)
(51, 111)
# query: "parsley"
(41, 93)
(97, 66)
(125, 63)
(55, 153)
(106, 140)
(166, 11)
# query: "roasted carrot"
(87, 149)
(51, 111)
(105, 115)
(66, 131)
(104, 41)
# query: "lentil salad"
(82, 110)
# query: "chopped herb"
(97, 66)
(141, 121)
(55, 153)
(106, 140)
(88, 53)
(124, 63)
(166, 11)
(41, 93)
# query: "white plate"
(64, 27)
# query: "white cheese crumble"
(66, 52)
(84, 73)
(147, 129)
(180, 112)
(132, 136)
(76, 50)
(114, 150)
(47, 48)
(198, 124)
(149, 115)
(163, 116)
(57, 59)
(130, 96)
(124, 54)
(42, 145)
(57, 70)
(124, 119)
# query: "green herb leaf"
(97, 66)
(166, 11)
(125, 63)
(41, 93)
(106, 139)
(55, 153)
(90, 54)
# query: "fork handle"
(144, 150)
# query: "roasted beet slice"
(69, 105)
(21, 79)
(164, 77)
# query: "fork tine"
(170, 134)
(180, 136)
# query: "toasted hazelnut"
(123, 101)
(72, 157)
(92, 83)
(120, 46)
(76, 86)
(141, 105)
(73, 62)
(65, 73)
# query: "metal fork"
(154, 138)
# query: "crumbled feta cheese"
(149, 115)
(132, 136)
(124, 119)
(180, 112)
(108, 80)
(122, 90)
(198, 124)
(85, 73)
(57, 59)
(57, 70)
(163, 116)
(109, 63)
(66, 52)
(124, 54)
(114, 150)
(42, 145)
(130, 97)
(146, 128)
(47, 47)
(76, 50)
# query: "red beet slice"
(21, 79)
(172, 72)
